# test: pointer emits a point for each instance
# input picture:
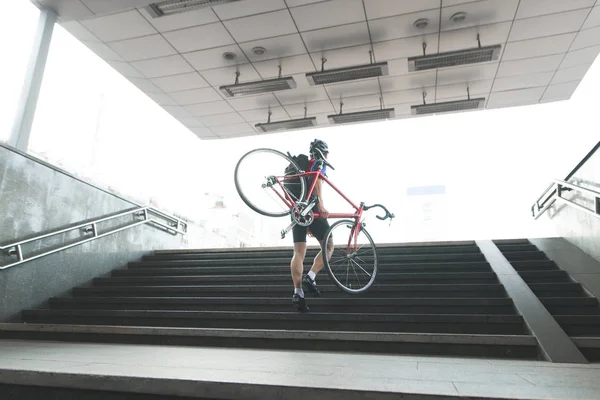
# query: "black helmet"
(318, 145)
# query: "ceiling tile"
(145, 85)
(143, 48)
(260, 26)
(369, 101)
(450, 3)
(281, 46)
(522, 81)
(461, 39)
(538, 47)
(398, 66)
(298, 96)
(79, 31)
(315, 107)
(402, 48)
(212, 108)
(175, 83)
(221, 119)
(587, 38)
(253, 102)
(468, 73)
(164, 66)
(191, 122)
(476, 89)
(534, 8)
(529, 65)
(336, 37)
(213, 58)
(412, 81)
(512, 98)
(563, 91)
(125, 69)
(199, 37)
(357, 88)
(103, 51)
(480, 13)
(387, 8)
(593, 19)
(547, 25)
(226, 76)
(68, 10)
(414, 96)
(182, 20)
(204, 133)
(177, 111)
(246, 8)
(402, 26)
(234, 129)
(262, 115)
(125, 25)
(99, 7)
(570, 74)
(585, 56)
(348, 56)
(162, 99)
(289, 66)
(298, 3)
(195, 96)
(327, 14)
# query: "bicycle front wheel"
(353, 264)
(262, 183)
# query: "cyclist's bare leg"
(297, 263)
(318, 262)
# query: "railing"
(89, 231)
(555, 190)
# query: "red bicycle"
(353, 266)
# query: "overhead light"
(361, 116)
(447, 106)
(458, 17)
(169, 7)
(345, 74)
(256, 87)
(421, 23)
(298, 123)
(454, 58)
(229, 56)
(259, 51)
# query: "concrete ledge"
(278, 334)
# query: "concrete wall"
(578, 227)
(34, 198)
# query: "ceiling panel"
(181, 20)
(177, 111)
(260, 26)
(522, 81)
(80, 32)
(589, 37)
(125, 25)
(547, 25)
(412, 96)
(212, 108)
(468, 73)
(143, 48)
(402, 48)
(103, 51)
(199, 37)
(402, 26)
(534, 8)
(100, 7)
(593, 19)
(315, 107)
(558, 44)
(387, 8)
(247, 8)
(530, 65)
(370, 101)
(191, 122)
(358, 88)
(226, 76)
(320, 15)
(195, 96)
(512, 98)
(254, 102)
(204, 133)
(476, 89)
(162, 99)
(278, 47)
(562, 91)
(412, 81)
(234, 129)
(336, 37)
(348, 56)
(221, 119)
(309, 94)
(262, 115)
(68, 9)
(585, 56)
(479, 13)
(570, 74)
(175, 83)
(213, 58)
(125, 69)
(296, 65)
(461, 39)
(164, 66)
(145, 85)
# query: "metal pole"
(33, 81)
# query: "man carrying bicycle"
(319, 227)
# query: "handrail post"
(19, 253)
(598, 205)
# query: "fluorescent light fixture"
(256, 87)
(360, 116)
(348, 73)
(448, 106)
(454, 58)
(169, 7)
(287, 124)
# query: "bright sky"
(493, 163)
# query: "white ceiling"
(547, 48)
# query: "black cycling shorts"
(318, 228)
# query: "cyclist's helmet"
(318, 145)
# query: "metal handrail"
(550, 193)
(173, 226)
(561, 186)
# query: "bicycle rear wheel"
(261, 181)
(353, 264)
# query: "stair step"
(383, 290)
(517, 247)
(556, 289)
(524, 255)
(558, 310)
(137, 269)
(535, 265)
(367, 305)
(453, 323)
(511, 241)
(579, 325)
(468, 277)
(569, 301)
(545, 276)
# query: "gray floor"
(245, 373)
